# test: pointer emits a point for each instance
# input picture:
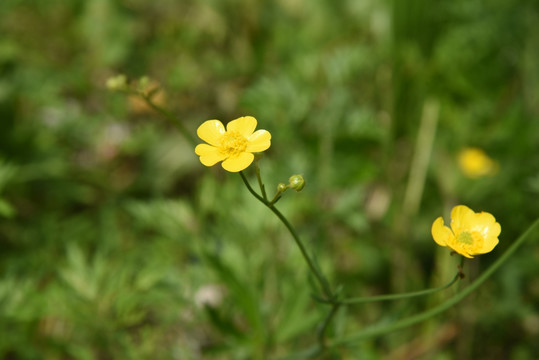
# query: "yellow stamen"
(471, 242)
(233, 144)
(465, 237)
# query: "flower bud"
(296, 182)
(282, 188)
(117, 83)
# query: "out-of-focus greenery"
(116, 243)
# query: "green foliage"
(116, 243)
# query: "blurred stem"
(417, 174)
(317, 274)
(167, 115)
(422, 153)
(325, 324)
(412, 320)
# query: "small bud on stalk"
(296, 182)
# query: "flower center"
(465, 237)
(233, 144)
(471, 241)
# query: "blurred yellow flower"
(470, 234)
(475, 163)
(234, 146)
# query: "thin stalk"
(260, 183)
(321, 280)
(171, 118)
(323, 283)
(325, 324)
(275, 198)
(361, 300)
(422, 153)
(251, 190)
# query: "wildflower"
(475, 163)
(234, 146)
(470, 234)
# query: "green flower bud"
(296, 182)
(117, 83)
(282, 188)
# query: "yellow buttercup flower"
(475, 163)
(470, 234)
(234, 146)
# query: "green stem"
(325, 324)
(323, 283)
(260, 183)
(380, 330)
(319, 277)
(251, 190)
(275, 198)
(171, 118)
(389, 297)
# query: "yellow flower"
(475, 163)
(470, 234)
(234, 146)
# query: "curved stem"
(319, 277)
(380, 330)
(323, 282)
(361, 300)
(251, 190)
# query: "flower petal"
(259, 141)
(459, 248)
(209, 155)
(211, 132)
(238, 163)
(488, 245)
(441, 233)
(464, 253)
(486, 225)
(245, 125)
(461, 218)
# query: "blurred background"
(116, 243)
